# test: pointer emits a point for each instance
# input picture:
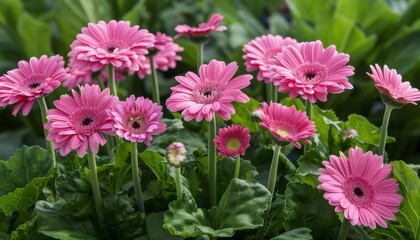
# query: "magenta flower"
(136, 120)
(113, 43)
(389, 83)
(203, 29)
(213, 91)
(261, 49)
(79, 121)
(359, 186)
(31, 80)
(232, 140)
(286, 124)
(176, 153)
(310, 71)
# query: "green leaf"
(309, 10)
(162, 141)
(67, 235)
(35, 35)
(276, 217)
(243, 114)
(28, 231)
(367, 133)
(309, 163)
(155, 231)
(295, 234)
(278, 25)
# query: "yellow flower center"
(282, 132)
(233, 144)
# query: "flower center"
(311, 73)
(137, 124)
(111, 49)
(34, 85)
(207, 93)
(233, 144)
(359, 192)
(87, 120)
(282, 132)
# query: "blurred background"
(374, 31)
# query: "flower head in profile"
(78, 75)
(213, 91)
(261, 49)
(392, 89)
(79, 121)
(359, 186)
(31, 80)
(232, 140)
(115, 43)
(137, 119)
(286, 124)
(176, 154)
(310, 71)
(203, 29)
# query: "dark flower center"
(135, 125)
(111, 49)
(358, 192)
(310, 75)
(208, 92)
(34, 85)
(87, 121)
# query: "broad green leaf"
(67, 235)
(309, 163)
(35, 35)
(276, 217)
(367, 133)
(309, 11)
(295, 234)
(9, 12)
(161, 142)
(155, 231)
(243, 114)
(328, 128)
(27, 231)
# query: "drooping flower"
(79, 121)
(232, 140)
(137, 119)
(213, 91)
(286, 124)
(203, 29)
(310, 71)
(115, 43)
(31, 80)
(176, 153)
(261, 49)
(390, 85)
(360, 186)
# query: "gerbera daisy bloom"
(310, 71)
(286, 124)
(115, 43)
(261, 49)
(176, 153)
(31, 80)
(390, 85)
(78, 75)
(213, 91)
(79, 120)
(232, 140)
(203, 29)
(359, 186)
(136, 120)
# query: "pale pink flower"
(165, 57)
(213, 91)
(261, 49)
(136, 120)
(232, 140)
(310, 71)
(286, 124)
(176, 153)
(389, 83)
(360, 186)
(115, 43)
(78, 75)
(31, 80)
(203, 29)
(80, 120)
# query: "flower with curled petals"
(213, 91)
(176, 154)
(232, 140)
(359, 186)
(203, 30)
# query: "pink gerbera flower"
(136, 120)
(78, 75)
(78, 121)
(232, 140)
(310, 71)
(390, 85)
(31, 80)
(203, 29)
(113, 43)
(261, 49)
(286, 124)
(359, 186)
(213, 91)
(176, 153)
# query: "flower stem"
(97, 198)
(111, 80)
(344, 229)
(178, 182)
(308, 106)
(136, 177)
(43, 105)
(274, 93)
(155, 92)
(212, 162)
(384, 132)
(237, 166)
(272, 177)
(200, 53)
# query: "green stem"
(136, 177)
(155, 92)
(178, 182)
(111, 80)
(212, 162)
(384, 132)
(274, 93)
(237, 166)
(308, 106)
(97, 198)
(272, 177)
(43, 106)
(344, 229)
(200, 53)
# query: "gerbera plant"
(176, 155)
